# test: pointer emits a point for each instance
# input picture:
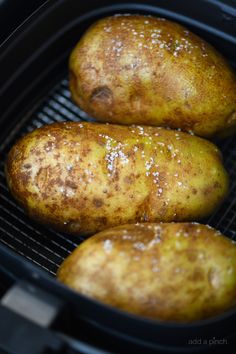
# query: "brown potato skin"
(173, 272)
(150, 71)
(86, 177)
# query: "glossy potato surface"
(85, 177)
(145, 70)
(174, 272)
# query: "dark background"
(14, 12)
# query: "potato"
(173, 272)
(85, 177)
(146, 70)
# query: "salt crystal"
(107, 245)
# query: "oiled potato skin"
(173, 272)
(85, 177)
(146, 70)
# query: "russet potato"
(146, 70)
(85, 177)
(173, 272)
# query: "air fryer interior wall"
(34, 91)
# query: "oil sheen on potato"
(85, 177)
(146, 70)
(173, 272)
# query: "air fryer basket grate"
(47, 248)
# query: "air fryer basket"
(35, 92)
